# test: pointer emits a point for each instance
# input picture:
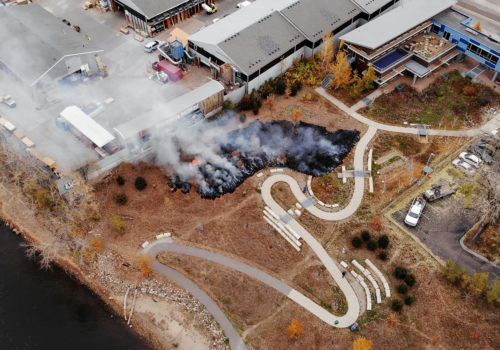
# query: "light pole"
(427, 170)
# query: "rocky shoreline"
(19, 217)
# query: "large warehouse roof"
(39, 43)
(370, 6)
(253, 36)
(315, 18)
(395, 22)
(253, 47)
(87, 126)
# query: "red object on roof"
(174, 73)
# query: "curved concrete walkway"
(235, 340)
(327, 317)
(405, 130)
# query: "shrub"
(121, 198)
(410, 279)
(402, 288)
(483, 101)
(140, 183)
(245, 103)
(296, 86)
(117, 224)
(468, 90)
(376, 223)
(228, 104)
(382, 256)
(356, 242)
(255, 109)
(371, 245)
(383, 241)
(400, 272)
(397, 305)
(365, 235)
(279, 85)
(409, 299)
(256, 99)
(243, 117)
(120, 180)
(266, 89)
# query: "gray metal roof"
(315, 18)
(370, 6)
(152, 8)
(453, 19)
(255, 46)
(34, 43)
(396, 22)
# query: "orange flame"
(195, 162)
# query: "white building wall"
(276, 70)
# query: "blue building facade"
(455, 26)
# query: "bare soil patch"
(245, 300)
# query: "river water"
(49, 310)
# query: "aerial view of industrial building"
(260, 174)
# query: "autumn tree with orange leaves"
(295, 329)
(342, 72)
(362, 344)
(144, 262)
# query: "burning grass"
(303, 147)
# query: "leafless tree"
(490, 180)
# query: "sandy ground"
(175, 330)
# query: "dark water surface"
(49, 310)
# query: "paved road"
(169, 245)
(235, 340)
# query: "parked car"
(416, 209)
(485, 150)
(8, 101)
(243, 4)
(462, 165)
(151, 46)
(471, 159)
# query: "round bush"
(120, 180)
(243, 117)
(356, 242)
(382, 256)
(397, 305)
(400, 272)
(140, 183)
(121, 198)
(410, 279)
(402, 288)
(383, 241)
(371, 245)
(409, 299)
(365, 235)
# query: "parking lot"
(128, 84)
(444, 222)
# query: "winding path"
(235, 340)
(359, 182)
(169, 245)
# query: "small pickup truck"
(416, 209)
(438, 192)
